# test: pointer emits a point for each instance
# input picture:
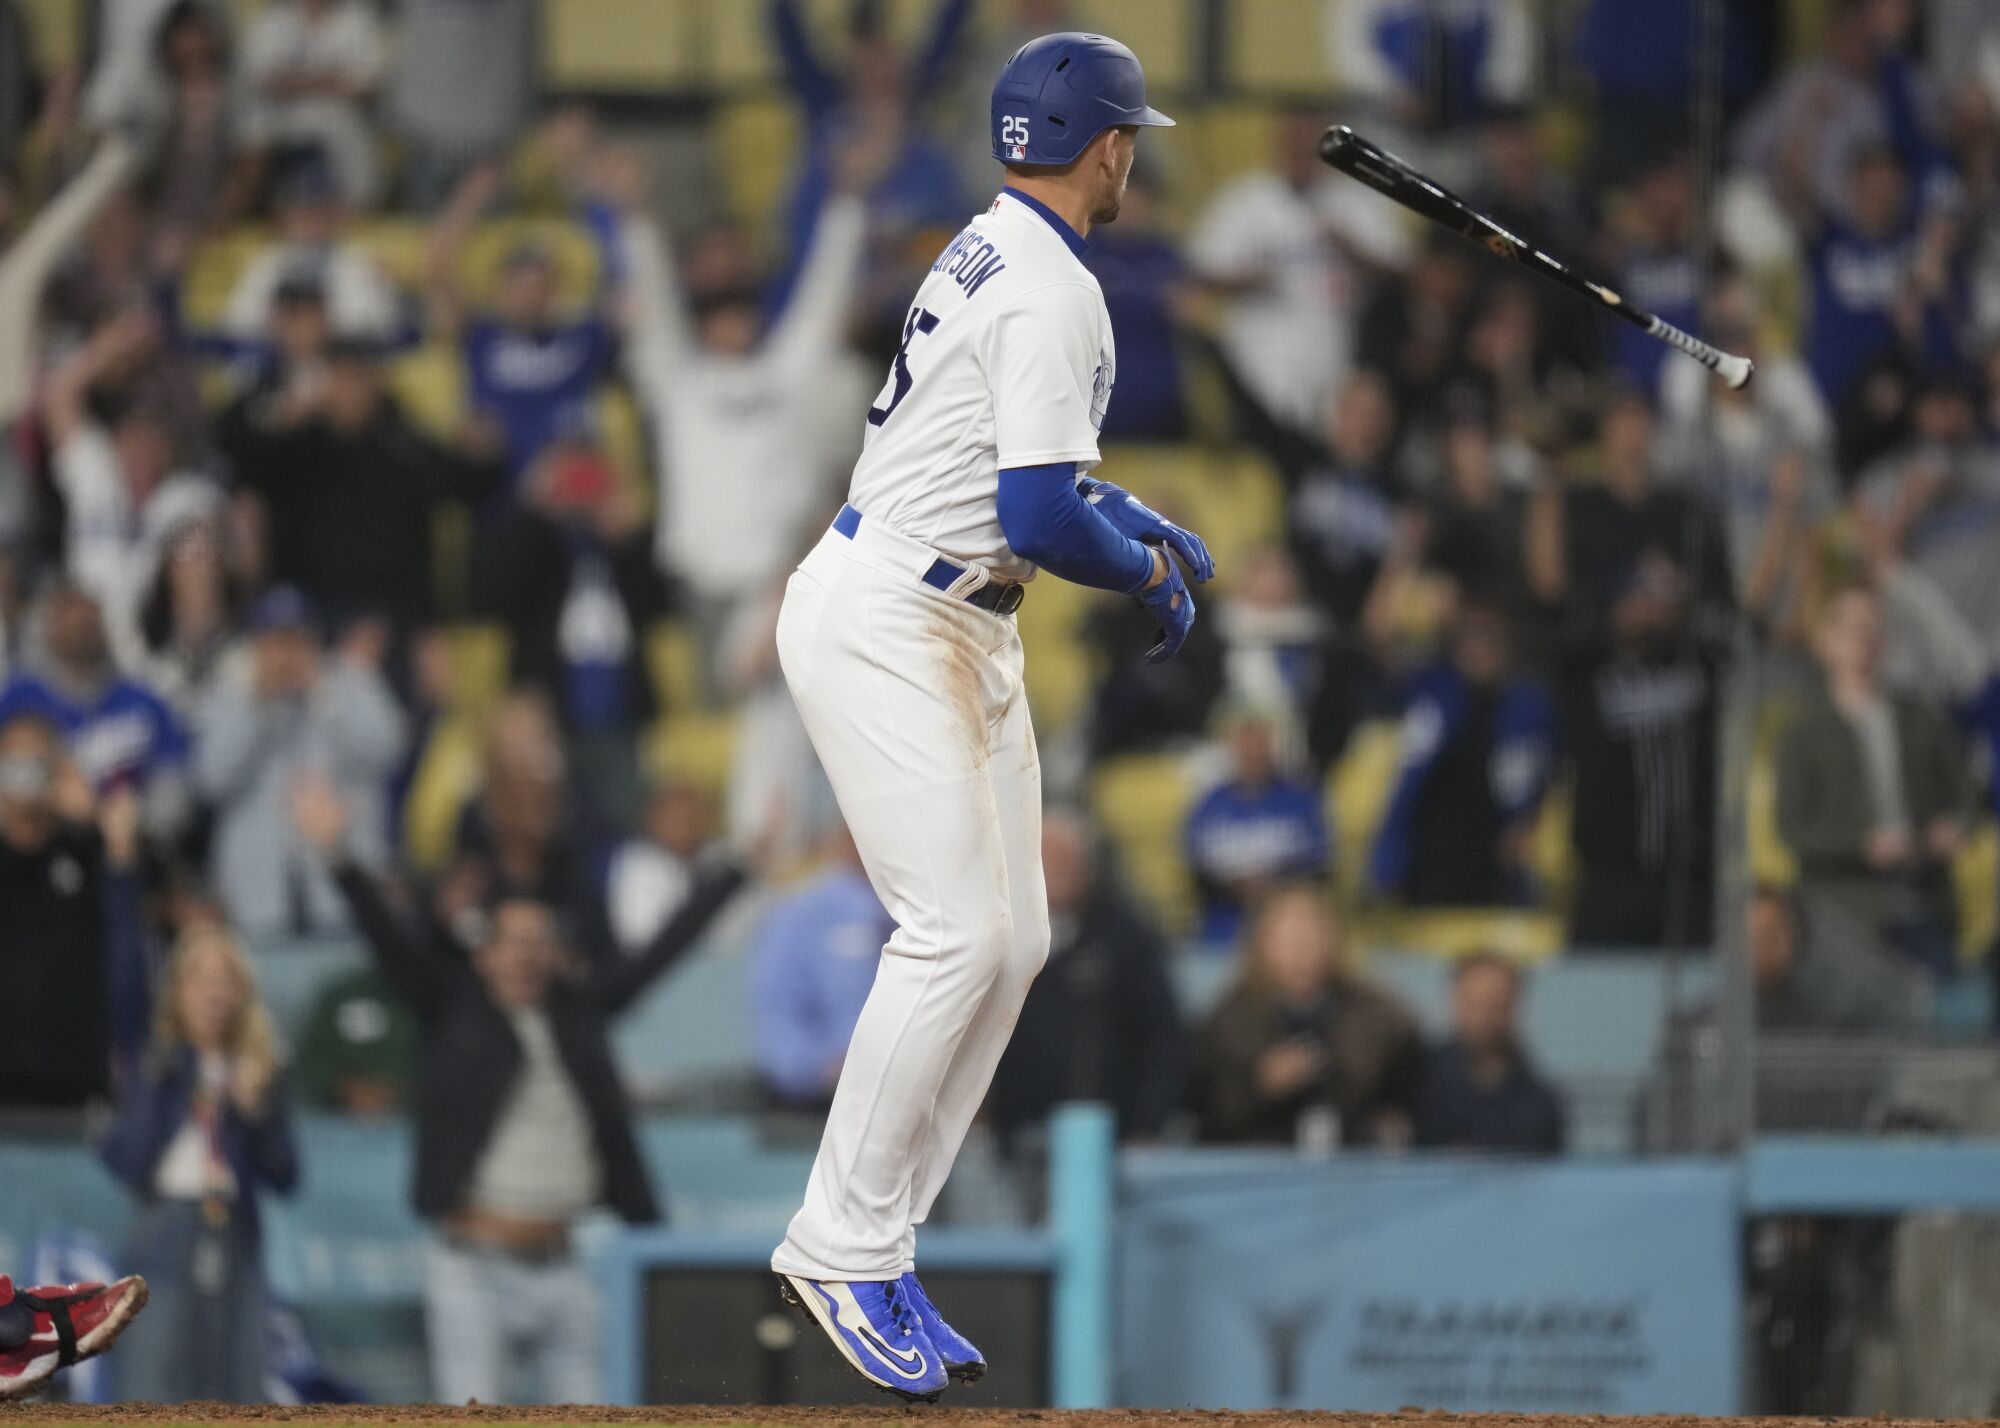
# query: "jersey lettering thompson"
(1006, 361)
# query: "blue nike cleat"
(962, 1359)
(876, 1328)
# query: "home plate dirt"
(881, 1417)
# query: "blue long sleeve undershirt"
(1046, 520)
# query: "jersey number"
(919, 323)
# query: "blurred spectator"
(1935, 500)
(1473, 519)
(462, 86)
(121, 491)
(1651, 240)
(1426, 73)
(1100, 1022)
(344, 489)
(288, 712)
(650, 874)
(574, 580)
(1874, 794)
(1762, 455)
(1838, 978)
(1412, 327)
(72, 973)
(315, 65)
(1302, 1051)
(1289, 248)
(1257, 828)
(359, 1047)
(811, 966)
(523, 834)
(1478, 749)
(197, 1137)
(521, 1124)
(116, 729)
(190, 614)
(1275, 652)
(1480, 1089)
(1139, 707)
(531, 370)
(1143, 278)
(1585, 540)
(1644, 58)
(909, 180)
(18, 84)
(1639, 692)
(313, 243)
(730, 403)
(282, 376)
(1341, 488)
(1807, 133)
(183, 88)
(1882, 282)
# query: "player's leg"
(1017, 796)
(895, 689)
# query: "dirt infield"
(879, 1417)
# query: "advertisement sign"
(1264, 1280)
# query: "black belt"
(995, 596)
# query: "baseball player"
(897, 640)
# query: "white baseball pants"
(913, 701)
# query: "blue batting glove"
(1173, 607)
(1136, 519)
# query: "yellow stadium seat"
(695, 747)
(1161, 32)
(56, 29)
(757, 140)
(447, 774)
(213, 271)
(479, 658)
(630, 46)
(673, 663)
(397, 245)
(1551, 854)
(1977, 877)
(624, 439)
(1058, 673)
(1357, 795)
(1277, 47)
(1520, 935)
(1141, 801)
(430, 383)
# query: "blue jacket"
(1274, 832)
(811, 967)
(1434, 708)
(158, 1104)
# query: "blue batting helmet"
(1061, 91)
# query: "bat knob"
(1735, 371)
(1334, 141)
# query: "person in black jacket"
(521, 1123)
(1100, 1023)
(1480, 1090)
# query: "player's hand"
(1139, 521)
(1173, 607)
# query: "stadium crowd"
(370, 593)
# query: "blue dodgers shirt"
(1275, 832)
(125, 734)
(811, 967)
(533, 384)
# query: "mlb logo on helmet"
(1017, 153)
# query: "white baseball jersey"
(1006, 361)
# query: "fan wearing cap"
(312, 238)
(286, 712)
(897, 640)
